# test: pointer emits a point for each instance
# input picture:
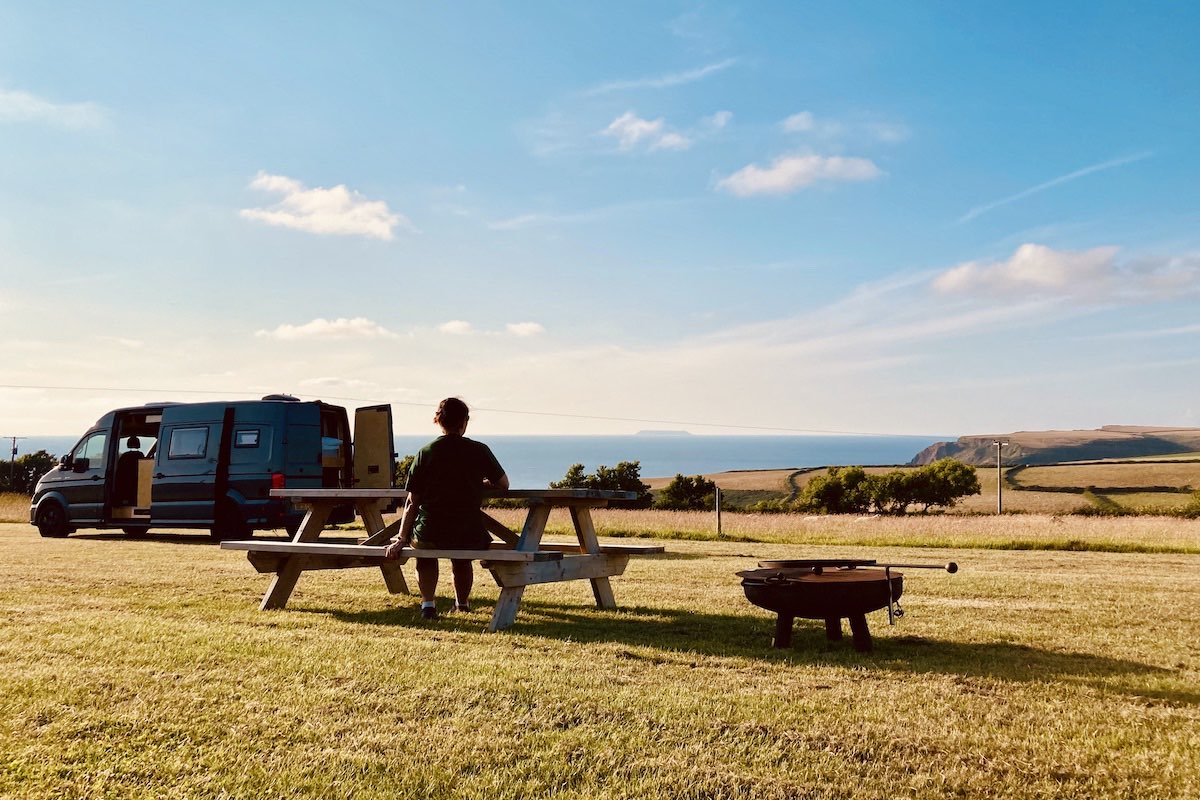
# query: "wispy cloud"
(1087, 276)
(340, 328)
(1153, 333)
(788, 174)
(1041, 187)
(525, 329)
(18, 106)
(336, 211)
(461, 327)
(663, 81)
(630, 130)
(457, 327)
(811, 126)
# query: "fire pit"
(829, 590)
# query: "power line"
(558, 414)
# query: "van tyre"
(52, 520)
(229, 523)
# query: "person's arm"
(406, 527)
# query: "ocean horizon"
(534, 461)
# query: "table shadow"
(672, 636)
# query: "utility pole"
(999, 478)
(12, 460)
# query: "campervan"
(212, 466)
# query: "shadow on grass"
(198, 537)
(668, 635)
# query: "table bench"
(517, 560)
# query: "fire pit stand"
(828, 590)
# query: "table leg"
(379, 532)
(289, 571)
(531, 539)
(581, 518)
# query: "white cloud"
(857, 128)
(18, 106)
(718, 120)
(457, 327)
(802, 122)
(525, 328)
(336, 211)
(788, 174)
(341, 328)
(630, 130)
(664, 81)
(1093, 275)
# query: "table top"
(501, 494)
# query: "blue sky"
(911, 218)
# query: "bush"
(683, 493)
(850, 490)
(22, 474)
(624, 477)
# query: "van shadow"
(197, 537)
(660, 635)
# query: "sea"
(534, 461)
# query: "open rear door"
(374, 457)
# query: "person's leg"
(464, 579)
(427, 578)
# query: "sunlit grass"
(140, 668)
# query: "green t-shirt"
(447, 477)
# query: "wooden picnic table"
(517, 560)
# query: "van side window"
(188, 443)
(93, 449)
(245, 438)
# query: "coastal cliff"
(1049, 447)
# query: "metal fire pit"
(828, 592)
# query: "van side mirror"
(65, 461)
(81, 464)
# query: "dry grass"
(140, 668)
(1008, 531)
(14, 507)
(1146, 473)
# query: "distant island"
(663, 433)
(1050, 447)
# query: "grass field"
(140, 668)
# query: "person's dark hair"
(451, 413)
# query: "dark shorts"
(453, 540)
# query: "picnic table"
(516, 560)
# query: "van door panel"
(374, 456)
(185, 472)
(83, 489)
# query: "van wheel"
(229, 523)
(52, 520)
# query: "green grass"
(140, 668)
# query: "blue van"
(212, 465)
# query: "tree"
(850, 490)
(22, 475)
(625, 477)
(841, 490)
(683, 493)
(403, 468)
(945, 482)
